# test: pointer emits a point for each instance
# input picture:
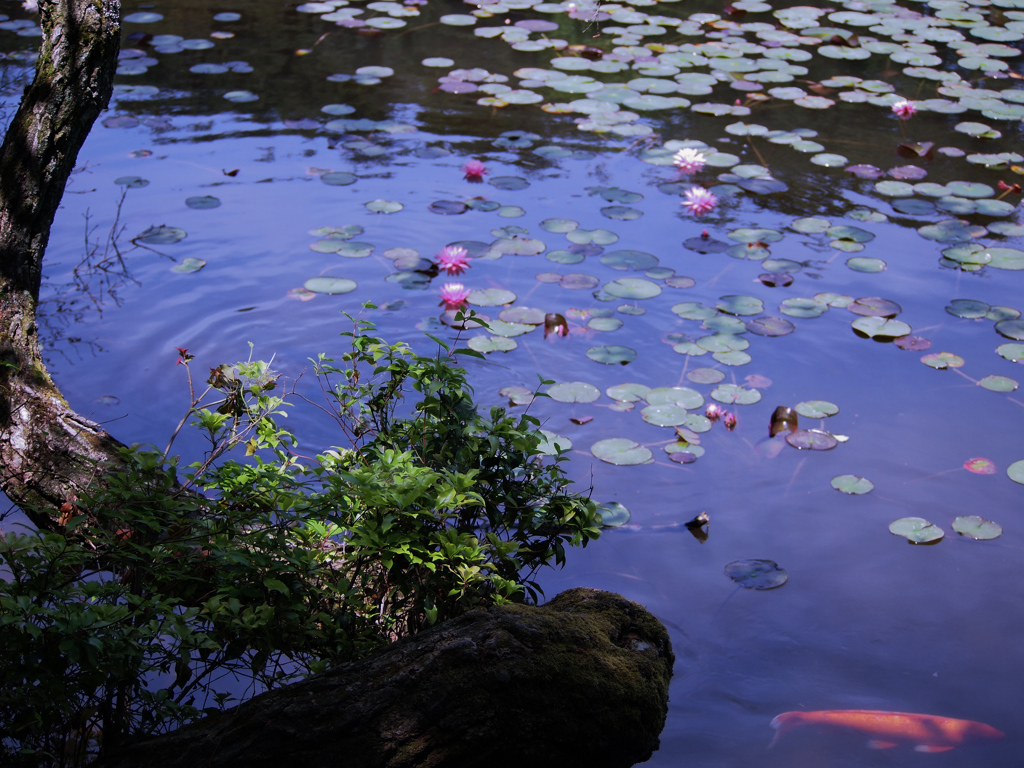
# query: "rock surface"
(582, 680)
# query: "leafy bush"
(159, 599)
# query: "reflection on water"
(866, 621)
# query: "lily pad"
(202, 202)
(998, 383)
(757, 574)
(880, 329)
(734, 394)
(1016, 471)
(852, 484)
(942, 360)
(486, 344)
(628, 393)
(740, 305)
(188, 265)
(976, 527)
(873, 306)
(681, 396)
(632, 288)
(621, 452)
(330, 285)
(916, 530)
(816, 409)
(664, 415)
(770, 326)
(574, 392)
(613, 514)
(612, 354)
(162, 235)
(812, 440)
(491, 297)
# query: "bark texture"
(582, 680)
(47, 451)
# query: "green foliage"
(158, 599)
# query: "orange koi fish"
(927, 733)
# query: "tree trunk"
(47, 451)
(582, 680)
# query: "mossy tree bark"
(47, 451)
(582, 680)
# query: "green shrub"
(159, 598)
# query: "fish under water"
(926, 733)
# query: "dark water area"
(866, 620)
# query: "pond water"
(252, 128)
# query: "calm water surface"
(866, 621)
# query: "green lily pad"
(1016, 471)
(740, 305)
(866, 264)
(1011, 329)
(816, 409)
(202, 202)
(803, 307)
(612, 354)
(162, 235)
(880, 329)
(629, 260)
(998, 383)
(1006, 258)
(1012, 352)
(353, 250)
(976, 527)
(613, 514)
(628, 393)
(486, 344)
(383, 206)
(916, 530)
(578, 281)
(508, 183)
(134, 182)
(812, 440)
(330, 285)
(757, 574)
(684, 397)
(553, 444)
(873, 306)
(188, 265)
(852, 484)
(491, 297)
(338, 178)
(942, 360)
(517, 395)
(574, 392)
(621, 452)
(770, 326)
(632, 288)
(968, 308)
(734, 394)
(705, 375)
(664, 415)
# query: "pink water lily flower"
(689, 160)
(474, 170)
(714, 412)
(699, 201)
(904, 109)
(729, 419)
(453, 295)
(453, 260)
